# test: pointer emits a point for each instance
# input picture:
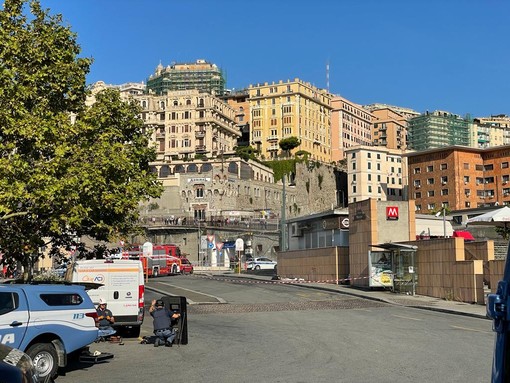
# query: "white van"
(123, 288)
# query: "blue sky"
(450, 55)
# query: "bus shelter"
(393, 265)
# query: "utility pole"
(283, 225)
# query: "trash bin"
(179, 304)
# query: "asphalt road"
(281, 333)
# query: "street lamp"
(443, 211)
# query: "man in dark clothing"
(105, 319)
(162, 321)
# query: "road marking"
(404, 317)
(221, 300)
(471, 329)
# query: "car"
(261, 264)
(186, 266)
(16, 366)
(47, 322)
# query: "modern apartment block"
(290, 109)
(200, 75)
(189, 122)
(491, 131)
(389, 129)
(437, 129)
(459, 177)
(376, 172)
(351, 125)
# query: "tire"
(45, 359)
(257, 267)
(155, 273)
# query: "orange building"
(458, 177)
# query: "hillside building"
(437, 129)
(200, 75)
(290, 109)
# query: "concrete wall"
(444, 272)
(315, 264)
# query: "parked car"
(16, 366)
(261, 264)
(186, 266)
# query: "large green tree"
(66, 170)
(289, 143)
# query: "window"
(504, 165)
(466, 166)
(354, 189)
(63, 299)
(444, 166)
(444, 180)
(479, 168)
(369, 155)
(431, 206)
(489, 167)
(417, 170)
(430, 168)
(418, 207)
(417, 183)
(417, 195)
(354, 166)
(378, 156)
(430, 193)
(430, 181)
(353, 155)
(370, 177)
(444, 191)
(369, 165)
(8, 302)
(378, 166)
(466, 179)
(378, 178)
(370, 188)
(199, 191)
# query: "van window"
(62, 299)
(8, 302)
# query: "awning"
(395, 246)
(464, 234)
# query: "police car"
(47, 321)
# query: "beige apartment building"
(376, 172)
(290, 109)
(490, 131)
(188, 123)
(351, 125)
(389, 129)
(459, 177)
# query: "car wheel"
(155, 273)
(191, 272)
(45, 360)
(257, 267)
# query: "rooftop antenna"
(327, 76)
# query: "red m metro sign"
(392, 213)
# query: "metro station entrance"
(393, 267)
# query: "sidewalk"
(417, 301)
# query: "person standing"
(162, 322)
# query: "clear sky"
(451, 55)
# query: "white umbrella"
(499, 217)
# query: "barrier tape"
(279, 281)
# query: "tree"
(246, 152)
(289, 143)
(61, 180)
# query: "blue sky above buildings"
(450, 55)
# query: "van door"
(13, 317)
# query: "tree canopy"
(289, 143)
(66, 170)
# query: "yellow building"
(290, 109)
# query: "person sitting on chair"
(105, 319)
(162, 321)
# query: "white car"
(261, 264)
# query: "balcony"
(160, 134)
(272, 138)
(201, 149)
(200, 134)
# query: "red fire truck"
(165, 260)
